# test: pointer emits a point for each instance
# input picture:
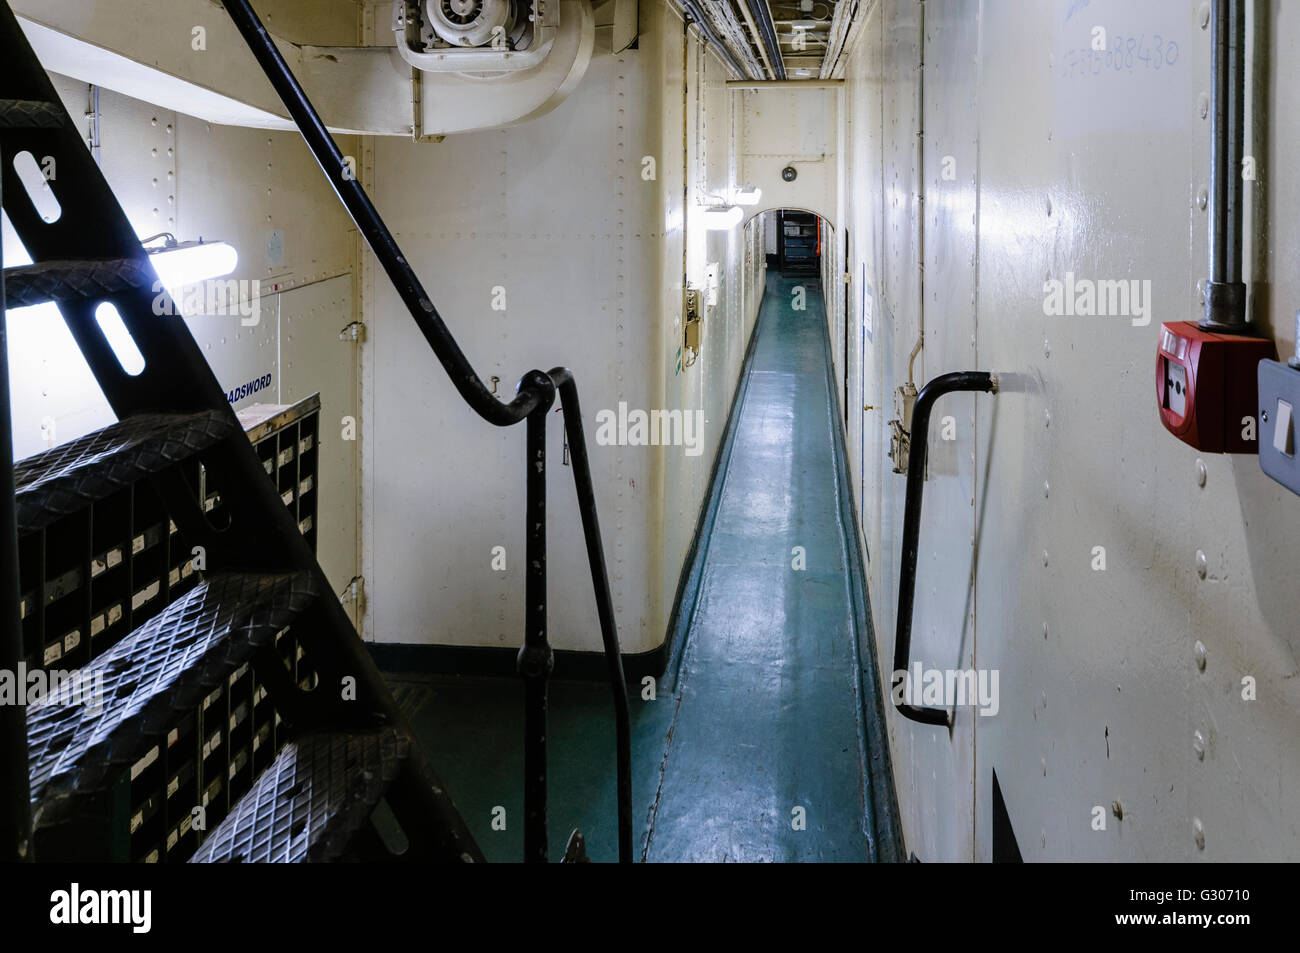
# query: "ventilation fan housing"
(470, 22)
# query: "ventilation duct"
(459, 65)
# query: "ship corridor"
(727, 430)
(759, 713)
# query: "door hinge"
(356, 331)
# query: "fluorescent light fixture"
(748, 195)
(717, 217)
(180, 264)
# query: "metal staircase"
(182, 664)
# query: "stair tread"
(307, 805)
(168, 665)
(60, 280)
(30, 114)
(71, 476)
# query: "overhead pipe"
(695, 13)
(1225, 291)
(762, 17)
(980, 382)
(753, 29)
(734, 84)
(735, 36)
(841, 24)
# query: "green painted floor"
(753, 752)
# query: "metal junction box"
(1279, 398)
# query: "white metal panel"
(933, 771)
(944, 619)
(712, 166)
(783, 127)
(188, 55)
(521, 218)
(1096, 173)
(262, 192)
(1094, 667)
(560, 215)
(313, 360)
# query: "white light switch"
(1284, 429)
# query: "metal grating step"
(77, 751)
(70, 477)
(29, 285)
(307, 805)
(30, 114)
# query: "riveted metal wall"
(554, 241)
(900, 218)
(314, 360)
(794, 128)
(1121, 691)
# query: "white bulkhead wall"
(561, 240)
(1033, 164)
(786, 127)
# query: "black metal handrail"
(533, 399)
(979, 381)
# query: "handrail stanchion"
(568, 388)
(536, 660)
